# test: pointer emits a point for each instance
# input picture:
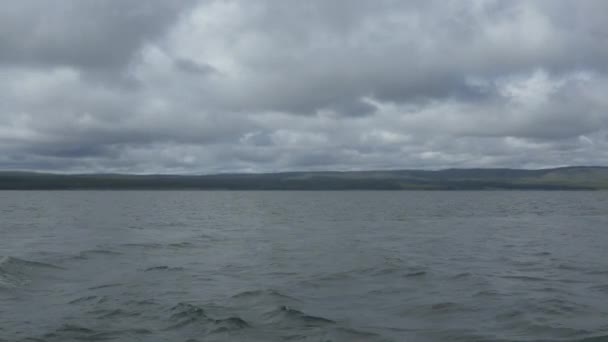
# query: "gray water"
(303, 266)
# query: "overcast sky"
(156, 86)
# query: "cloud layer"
(269, 85)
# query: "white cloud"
(219, 86)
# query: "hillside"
(568, 178)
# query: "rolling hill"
(566, 178)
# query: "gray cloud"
(81, 33)
(222, 86)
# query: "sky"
(198, 87)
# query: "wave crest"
(15, 272)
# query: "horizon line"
(60, 173)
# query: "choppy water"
(303, 266)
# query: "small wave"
(262, 293)
(74, 328)
(184, 244)
(357, 335)
(73, 332)
(444, 306)
(15, 272)
(114, 314)
(462, 275)
(597, 272)
(29, 339)
(104, 286)
(264, 299)
(96, 299)
(600, 288)
(185, 314)
(338, 276)
(416, 274)
(486, 293)
(144, 302)
(380, 271)
(229, 324)
(95, 252)
(334, 333)
(8, 262)
(569, 333)
(568, 267)
(522, 277)
(559, 307)
(549, 289)
(163, 268)
(286, 314)
(186, 309)
(6, 281)
(154, 245)
(208, 238)
(434, 309)
(395, 266)
(143, 245)
(598, 338)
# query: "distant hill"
(566, 178)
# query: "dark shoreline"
(567, 178)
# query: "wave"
(155, 245)
(229, 324)
(114, 313)
(386, 268)
(73, 332)
(15, 272)
(16, 263)
(94, 299)
(523, 278)
(436, 309)
(105, 286)
(87, 254)
(163, 268)
(335, 334)
(7, 281)
(462, 275)
(186, 314)
(262, 293)
(444, 306)
(150, 245)
(598, 338)
(286, 314)
(184, 244)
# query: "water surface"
(303, 266)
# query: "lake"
(303, 266)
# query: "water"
(303, 266)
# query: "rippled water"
(303, 266)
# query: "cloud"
(86, 34)
(223, 86)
